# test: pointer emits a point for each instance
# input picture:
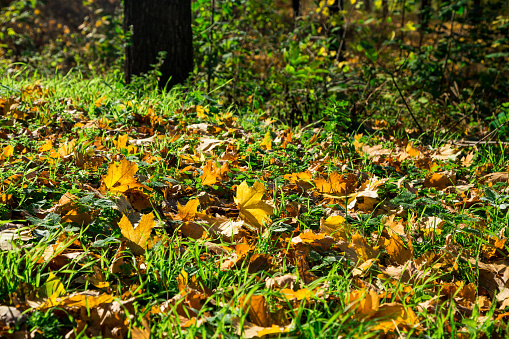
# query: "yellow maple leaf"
(362, 248)
(266, 142)
(46, 146)
(188, 211)
(88, 301)
(211, 174)
(393, 314)
(335, 226)
(120, 178)
(122, 143)
(67, 148)
(52, 289)
(364, 302)
(7, 152)
(139, 237)
(397, 250)
(251, 207)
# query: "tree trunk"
(476, 13)
(385, 9)
(159, 26)
(424, 16)
(424, 13)
(368, 5)
(336, 7)
(296, 8)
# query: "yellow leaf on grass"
(188, 211)
(398, 252)
(365, 303)
(140, 333)
(251, 207)
(66, 148)
(139, 237)
(301, 294)
(201, 112)
(361, 247)
(46, 146)
(7, 152)
(52, 287)
(270, 330)
(266, 142)
(335, 226)
(211, 174)
(122, 143)
(394, 314)
(440, 180)
(120, 177)
(413, 152)
(89, 301)
(182, 280)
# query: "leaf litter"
(149, 217)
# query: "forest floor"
(125, 215)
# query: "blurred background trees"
(298, 61)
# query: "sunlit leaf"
(251, 207)
(266, 142)
(188, 211)
(139, 237)
(120, 178)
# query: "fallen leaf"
(335, 226)
(249, 330)
(398, 252)
(364, 302)
(391, 315)
(211, 174)
(251, 207)
(361, 247)
(188, 212)
(207, 144)
(440, 180)
(120, 178)
(11, 316)
(9, 237)
(87, 299)
(139, 237)
(495, 177)
(395, 226)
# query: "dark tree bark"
(424, 17)
(385, 9)
(368, 5)
(424, 13)
(159, 26)
(296, 8)
(336, 7)
(477, 11)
